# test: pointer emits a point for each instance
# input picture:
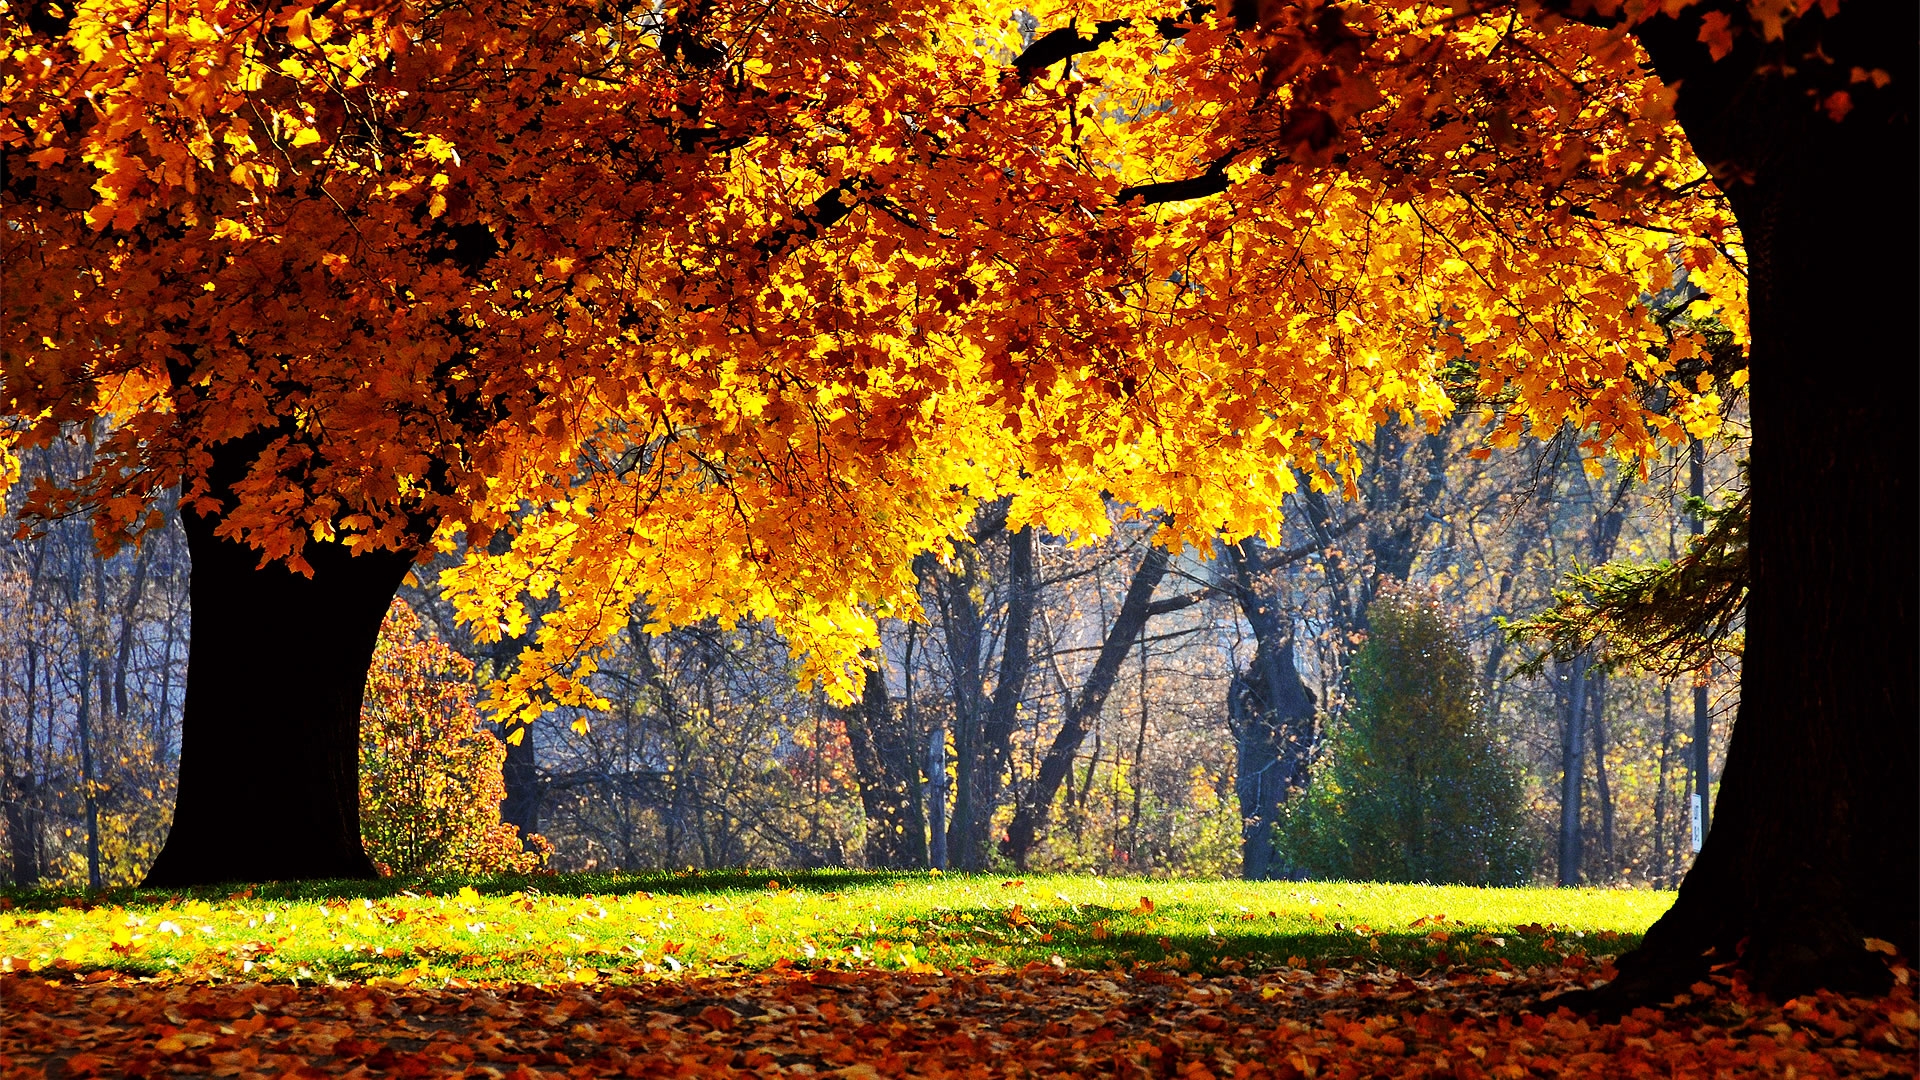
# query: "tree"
(1274, 716)
(1814, 845)
(1412, 786)
(293, 296)
(670, 296)
(430, 779)
(883, 746)
(1806, 122)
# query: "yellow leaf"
(1875, 944)
(306, 137)
(182, 1040)
(300, 30)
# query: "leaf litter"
(1152, 1022)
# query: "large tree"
(361, 281)
(729, 316)
(1816, 833)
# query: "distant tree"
(430, 780)
(1413, 786)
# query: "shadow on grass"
(667, 883)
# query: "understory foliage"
(1413, 785)
(430, 782)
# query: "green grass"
(597, 927)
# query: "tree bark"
(1573, 745)
(961, 627)
(1702, 747)
(270, 729)
(1602, 785)
(884, 767)
(1273, 710)
(1030, 817)
(1002, 710)
(1816, 837)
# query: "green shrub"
(1411, 785)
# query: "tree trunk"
(1573, 745)
(1274, 735)
(1002, 710)
(883, 766)
(270, 730)
(1030, 817)
(1702, 748)
(1661, 870)
(1816, 838)
(89, 796)
(961, 628)
(1602, 786)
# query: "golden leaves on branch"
(717, 328)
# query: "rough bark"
(1816, 837)
(1036, 803)
(962, 626)
(270, 729)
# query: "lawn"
(636, 928)
(858, 976)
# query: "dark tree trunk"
(1273, 713)
(1816, 832)
(521, 782)
(1702, 747)
(1602, 784)
(1660, 871)
(996, 727)
(1030, 817)
(17, 793)
(270, 730)
(884, 767)
(961, 627)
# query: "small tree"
(1412, 785)
(430, 780)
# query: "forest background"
(710, 757)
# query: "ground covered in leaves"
(1038, 1020)
(864, 976)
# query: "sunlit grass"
(595, 927)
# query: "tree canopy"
(731, 309)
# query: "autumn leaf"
(1716, 31)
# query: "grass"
(625, 928)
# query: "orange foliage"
(430, 780)
(732, 309)
(1036, 1021)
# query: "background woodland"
(710, 757)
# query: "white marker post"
(1699, 835)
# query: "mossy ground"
(624, 928)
